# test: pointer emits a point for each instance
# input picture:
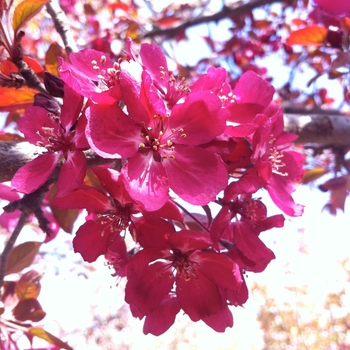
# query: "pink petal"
(146, 181)
(72, 172)
(35, 173)
(200, 118)
(90, 241)
(198, 296)
(196, 175)
(146, 287)
(33, 120)
(220, 320)
(152, 59)
(162, 318)
(87, 198)
(84, 62)
(253, 89)
(72, 104)
(111, 133)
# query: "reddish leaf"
(51, 58)
(338, 198)
(166, 22)
(65, 218)
(28, 309)
(28, 286)
(12, 99)
(35, 65)
(22, 256)
(312, 175)
(51, 339)
(312, 35)
(25, 11)
(7, 67)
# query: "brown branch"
(14, 155)
(62, 26)
(319, 129)
(226, 12)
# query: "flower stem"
(192, 217)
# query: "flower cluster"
(168, 146)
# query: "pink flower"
(63, 141)
(280, 167)
(164, 150)
(334, 7)
(239, 224)
(111, 213)
(92, 74)
(170, 88)
(184, 260)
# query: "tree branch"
(62, 26)
(319, 129)
(226, 12)
(14, 155)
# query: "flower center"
(158, 139)
(116, 221)
(107, 77)
(55, 139)
(276, 159)
(185, 268)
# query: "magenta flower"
(164, 151)
(279, 167)
(184, 260)
(93, 75)
(110, 213)
(63, 141)
(239, 224)
(171, 89)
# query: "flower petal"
(196, 175)
(32, 175)
(111, 133)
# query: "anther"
(94, 63)
(183, 136)
(103, 59)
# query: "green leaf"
(28, 286)
(51, 339)
(25, 11)
(22, 256)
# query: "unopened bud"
(54, 85)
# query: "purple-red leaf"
(22, 256)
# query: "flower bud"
(54, 85)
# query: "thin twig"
(226, 12)
(192, 216)
(10, 243)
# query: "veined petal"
(90, 241)
(146, 181)
(111, 133)
(161, 319)
(147, 290)
(220, 320)
(198, 297)
(72, 172)
(196, 175)
(200, 117)
(33, 120)
(87, 61)
(32, 175)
